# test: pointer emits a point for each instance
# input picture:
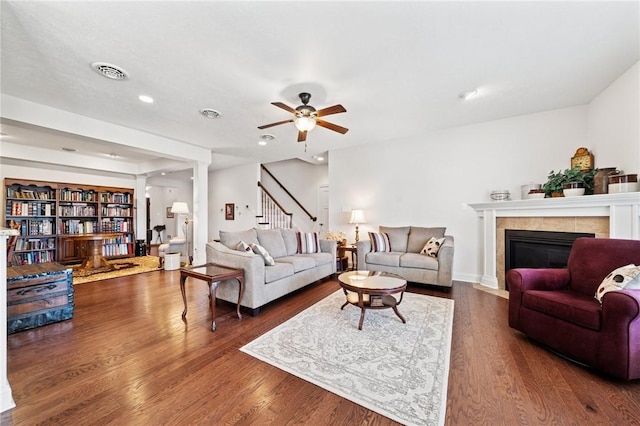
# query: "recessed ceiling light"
(64, 148)
(146, 99)
(468, 94)
(163, 173)
(110, 71)
(113, 155)
(264, 139)
(320, 158)
(210, 113)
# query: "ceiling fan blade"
(331, 110)
(332, 126)
(302, 136)
(284, 107)
(275, 124)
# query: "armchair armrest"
(620, 343)
(521, 279)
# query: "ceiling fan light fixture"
(304, 123)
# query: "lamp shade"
(357, 216)
(180, 207)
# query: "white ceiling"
(397, 67)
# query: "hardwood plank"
(127, 357)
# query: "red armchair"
(557, 307)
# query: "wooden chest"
(37, 295)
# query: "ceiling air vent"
(110, 71)
(210, 113)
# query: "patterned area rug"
(395, 369)
(124, 267)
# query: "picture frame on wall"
(170, 214)
(229, 211)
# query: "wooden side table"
(212, 274)
(351, 248)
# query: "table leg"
(395, 309)
(241, 293)
(212, 300)
(183, 279)
(362, 309)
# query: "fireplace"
(538, 249)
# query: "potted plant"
(569, 178)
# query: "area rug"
(124, 267)
(395, 369)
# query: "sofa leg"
(255, 312)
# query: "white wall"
(428, 182)
(614, 123)
(302, 180)
(237, 185)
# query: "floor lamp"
(180, 207)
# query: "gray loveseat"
(405, 259)
(291, 270)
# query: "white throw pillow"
(242, 246)
(258, 249)
(432, 247)
(624, 277)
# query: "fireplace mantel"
(623, 211)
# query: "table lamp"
(357, 217)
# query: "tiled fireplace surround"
(607, 215)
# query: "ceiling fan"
(307, 117)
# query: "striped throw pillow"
(379, 241)
(308, 242)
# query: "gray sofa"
(291, 270)
(405, 258)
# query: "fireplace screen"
(538, 249)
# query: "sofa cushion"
(290, 240)
(623, 277)
(231, 238)
(319, 258)
(258, 249)
(416, 260)
(384, 259)
(300, 263)
(380, 242)
(277, 271)
(308, 242)
(272, 241)
(418, 237)
(432, 247)
(565, 304)
(398, 237)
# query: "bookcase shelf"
(50, 214)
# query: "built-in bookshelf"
(49, 215)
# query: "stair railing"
(273, 214)
(312, 217)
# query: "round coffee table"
(372, 290)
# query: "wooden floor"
(127, 358)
